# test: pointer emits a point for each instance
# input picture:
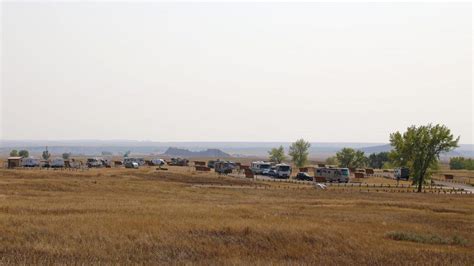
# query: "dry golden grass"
(145, 216)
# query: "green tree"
(299, 151)
(377, 160)
(461, 163)
(14, 153)
(127, 153)
(351, 158)
(46, 154)
(24, 153)
(66, 155)
(277, 155)
(419, 148)
(332, 161)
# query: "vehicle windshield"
(284, 168)
(345, 172)
(265, 166)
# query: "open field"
(179, 216)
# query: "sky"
(341, 72)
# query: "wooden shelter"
(14, 161)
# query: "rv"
(333, 174)
(57, 163)
(402, 173)
(260, 166)
(30, 162)
(282, 171)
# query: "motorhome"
(282, 171)
(333, 174)
(260, 166)
(57, 163)
(30, 162)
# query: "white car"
(133, 165)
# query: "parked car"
(304, 176)
(272, 172)
(224, 167)
(130, 164)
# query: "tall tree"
(299, 151)
(24, 153)
(277, 155)
(351, 158)
(377, 160)
(66, 155)
(332, 160)
(14, 153)
(46, 154)
(419, 148)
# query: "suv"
(304, 176)
(133, 165)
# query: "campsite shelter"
(14, 162)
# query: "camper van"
(333, 174)
(282, 171)
(57, 163)
(30, 162)
(259, 167)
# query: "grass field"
(163, 217)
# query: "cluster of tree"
(299, 152)
(21, 153)
(418, 148)
(456, 163)
(351, 158)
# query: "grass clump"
(426, 238)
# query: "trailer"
(30, 162)
(57, 163)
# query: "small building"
(14, 162)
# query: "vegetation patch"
(426, 238)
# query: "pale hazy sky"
(234, 72)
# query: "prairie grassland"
(161, 217)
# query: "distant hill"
(318, 150)
(211, 153)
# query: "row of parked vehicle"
(324, 174)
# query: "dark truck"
(402, 173)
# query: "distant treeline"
(461, 163)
